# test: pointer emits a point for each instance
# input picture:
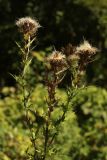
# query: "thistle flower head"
(85, 47)
(56, 58)
(27, 25)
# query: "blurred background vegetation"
(63, 22)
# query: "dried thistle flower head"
(56, 58)
(27, 25)
(86, 47)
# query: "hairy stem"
(51, 85)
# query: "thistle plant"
(54, 75)
(78, 57)
(28, 28)
(44, 130)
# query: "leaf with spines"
(28, 62)
(21, 49)
(30, 42)
(15, 77)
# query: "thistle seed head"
(86, 47)
(56, 58)
(27, 25)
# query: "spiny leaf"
(29, 44)
(20, 47)
(14, 76)
(27, 66)
(61, 71)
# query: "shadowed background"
(62, 22)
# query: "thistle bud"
(73, 60)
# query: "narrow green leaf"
(20, 47)
(27, 66)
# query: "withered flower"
(86, 48)
(27, 25)
(86, 52)
(56, 58)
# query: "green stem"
(46, 140)
(28, 48)
(26, 97)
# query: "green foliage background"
(84, 131)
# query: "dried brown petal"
(56, 58)
(86, 48)
(27, 25)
